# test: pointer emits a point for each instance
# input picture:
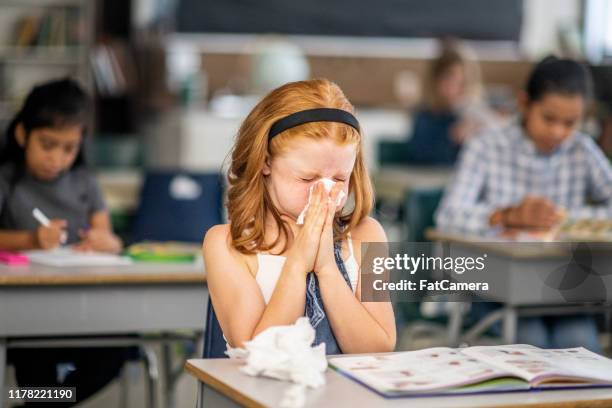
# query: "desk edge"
(101, 279)
(221, 387)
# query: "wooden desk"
(526, 267)
(39, 301)
(222, 385)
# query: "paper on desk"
(66, 257)
(328, 184)
(285, 353)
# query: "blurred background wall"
(172, 79)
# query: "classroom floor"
(110, 396)
(185, 394)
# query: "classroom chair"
(178, 206)
(392, 152)
(420, 205)
(214, 343)
(419, 208)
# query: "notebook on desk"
(473, 370)
(66, 257)
(167, 252)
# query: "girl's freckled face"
(291, 173)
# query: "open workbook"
(439, 371)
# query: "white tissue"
(285, 353)
(328, 184)
(294, 397)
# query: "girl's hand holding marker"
(51, 233)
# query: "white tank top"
(269, 268)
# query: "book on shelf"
(53, 28)
(473, 370)
(113, 70)
(27, 31)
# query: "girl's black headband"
(313, 115)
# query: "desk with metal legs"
(520, 282)
(38, 301)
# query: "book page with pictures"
(436, 369)
(549, 367)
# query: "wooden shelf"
(61, 55)
(41, 4)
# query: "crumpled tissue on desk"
(285, 353)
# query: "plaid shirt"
(498, 170)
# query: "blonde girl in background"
(452, 108)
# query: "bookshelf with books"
(40, 40)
